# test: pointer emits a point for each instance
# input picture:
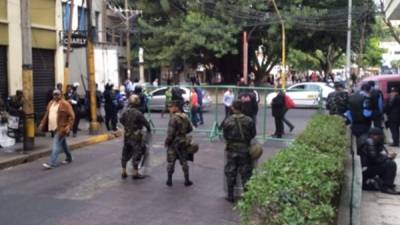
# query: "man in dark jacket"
(110, 107)
(249, 103)
(72, 97)
(239, 130)
(392, 110)
(134, 148)
(359, 113)
(278, 112)
(376, 105)
(378, 164)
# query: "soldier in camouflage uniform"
(176, 142)
(134, 146)
(239, 130)
(338, 100)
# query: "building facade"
(47, 53)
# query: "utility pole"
(94, 125)
(348, 48)
(128, 42)
(245, 57)
(66, 68)
(27, 76)
(283, 72)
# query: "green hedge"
(299, 184)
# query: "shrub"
(297, 185)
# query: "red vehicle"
(384, 82)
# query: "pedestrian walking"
(392, 110)
(59, 118)
(378, 165)
(338, 100)
(134, 148)
(278, 112)
(377, 105)
(176, 142)
(228, 100)
(200, 96)
(155, 83)
(289, 104)
(110, 107)
(194, 103)
(168, 98)
(239, 130)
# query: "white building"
(392, 52)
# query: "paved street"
(90, 190)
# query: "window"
(82, 19)
(298, 88)
(393, 84)
(312, 87)
(160, 92)
(66, 9)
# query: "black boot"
(187, 180)
(230, 197)
(169, 180)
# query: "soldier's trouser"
(172, 155)
(132, 150)
(238, 162)
(386, 171)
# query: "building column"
(14, 47)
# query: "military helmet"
(134, 100)
(256, 151)
(193, 148)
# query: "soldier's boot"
(136, 175)
(169, 180)
(124, 174)
(188, 182)
(230, 197)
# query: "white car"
(158, 98)
(306, 94)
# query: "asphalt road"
(90, 190)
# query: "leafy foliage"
(298, 185)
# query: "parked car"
(306, 94)
(383, 82)
(157, 99)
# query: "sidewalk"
(14, 155)
(381, 209)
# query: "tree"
(301, 61)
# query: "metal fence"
(214, 108)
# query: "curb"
(21, 159)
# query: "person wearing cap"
(134, 148)
(338, 100)
(176, 142)
(377, 105)
(73, 98)
(239, 130)
(392, 110)
(378, 166)
(59, 118)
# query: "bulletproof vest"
(356, 106)
(236, 130)
(184, 124)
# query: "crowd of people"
(365, 111)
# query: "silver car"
(158, 98)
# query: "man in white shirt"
(228, 100)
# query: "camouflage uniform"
(239, 130)
(176, 142)
(134, 146)
(337, 102)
